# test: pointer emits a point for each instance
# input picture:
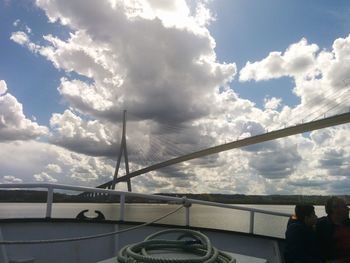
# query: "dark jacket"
(325, 235)
(301, 244)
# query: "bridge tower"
(122, 151)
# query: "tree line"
(32, 196)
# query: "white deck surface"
(239, 258)
(245, 248)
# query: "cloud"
(321, 77)
(341, 187)
(168, 75)
(44, 177)
(16, 23)
(272, 103)
(276, 164)
(44, 162)
(22, 38)
(54, 168)
(335, 161)
(89, 137)
(9, 179)
(13, 123)
(298, 58)
(170, 179)
(174, 172)
(3, 87)
(157, 60)
(321, 82)
(308, 183)
(161, 75)
(331, 151)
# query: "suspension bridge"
(268, 136)
(326, 102)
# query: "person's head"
(306, 214)
(337, 209)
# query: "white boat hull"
(264, 249)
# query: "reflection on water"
(201, 216)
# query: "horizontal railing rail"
(180, 200)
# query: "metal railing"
(185, 201)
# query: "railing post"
(49, 201)
(251, 226)
(187, 216)
(122, 207)
(187, 204)
(3, 255)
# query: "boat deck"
(245, 247)
(239, 258)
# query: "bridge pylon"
(122, 151)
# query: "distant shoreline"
(30, 196)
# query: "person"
(301, 242)
(333, 231)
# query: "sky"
(191, 75)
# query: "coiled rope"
(61, 240)
(195, 245)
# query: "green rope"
(188, 241)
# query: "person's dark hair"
(304, 210)
(330, 203)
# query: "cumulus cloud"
(275, 159)
(9, 179)
(22, 38)
(272, 103)
(341, 187)
(298, 58)
(309, 183)
(321, 77)
(89, 137)
(3, 87)
(54, 168)
(168, 75)
(130, 70)
(13, 123)
(335, 161)
(157, 60)
(45, 162)
(44, 177)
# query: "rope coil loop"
(193, 244)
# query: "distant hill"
(260, 199)
(31, 196)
